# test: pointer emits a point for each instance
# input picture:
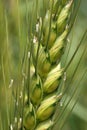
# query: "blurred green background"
(13, 38)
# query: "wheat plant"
(37, 100)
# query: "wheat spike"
(44, 83)
(47, 45)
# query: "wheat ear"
(47, 46)
(47, 72)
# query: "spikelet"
(29, 121)
(63, 16)
(36, 90)
(46, 125)
(57, 50)
(53, 33)
(47, 107)
(43, 62)
(53, 79)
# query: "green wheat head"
(47, 48)
(41, 89)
